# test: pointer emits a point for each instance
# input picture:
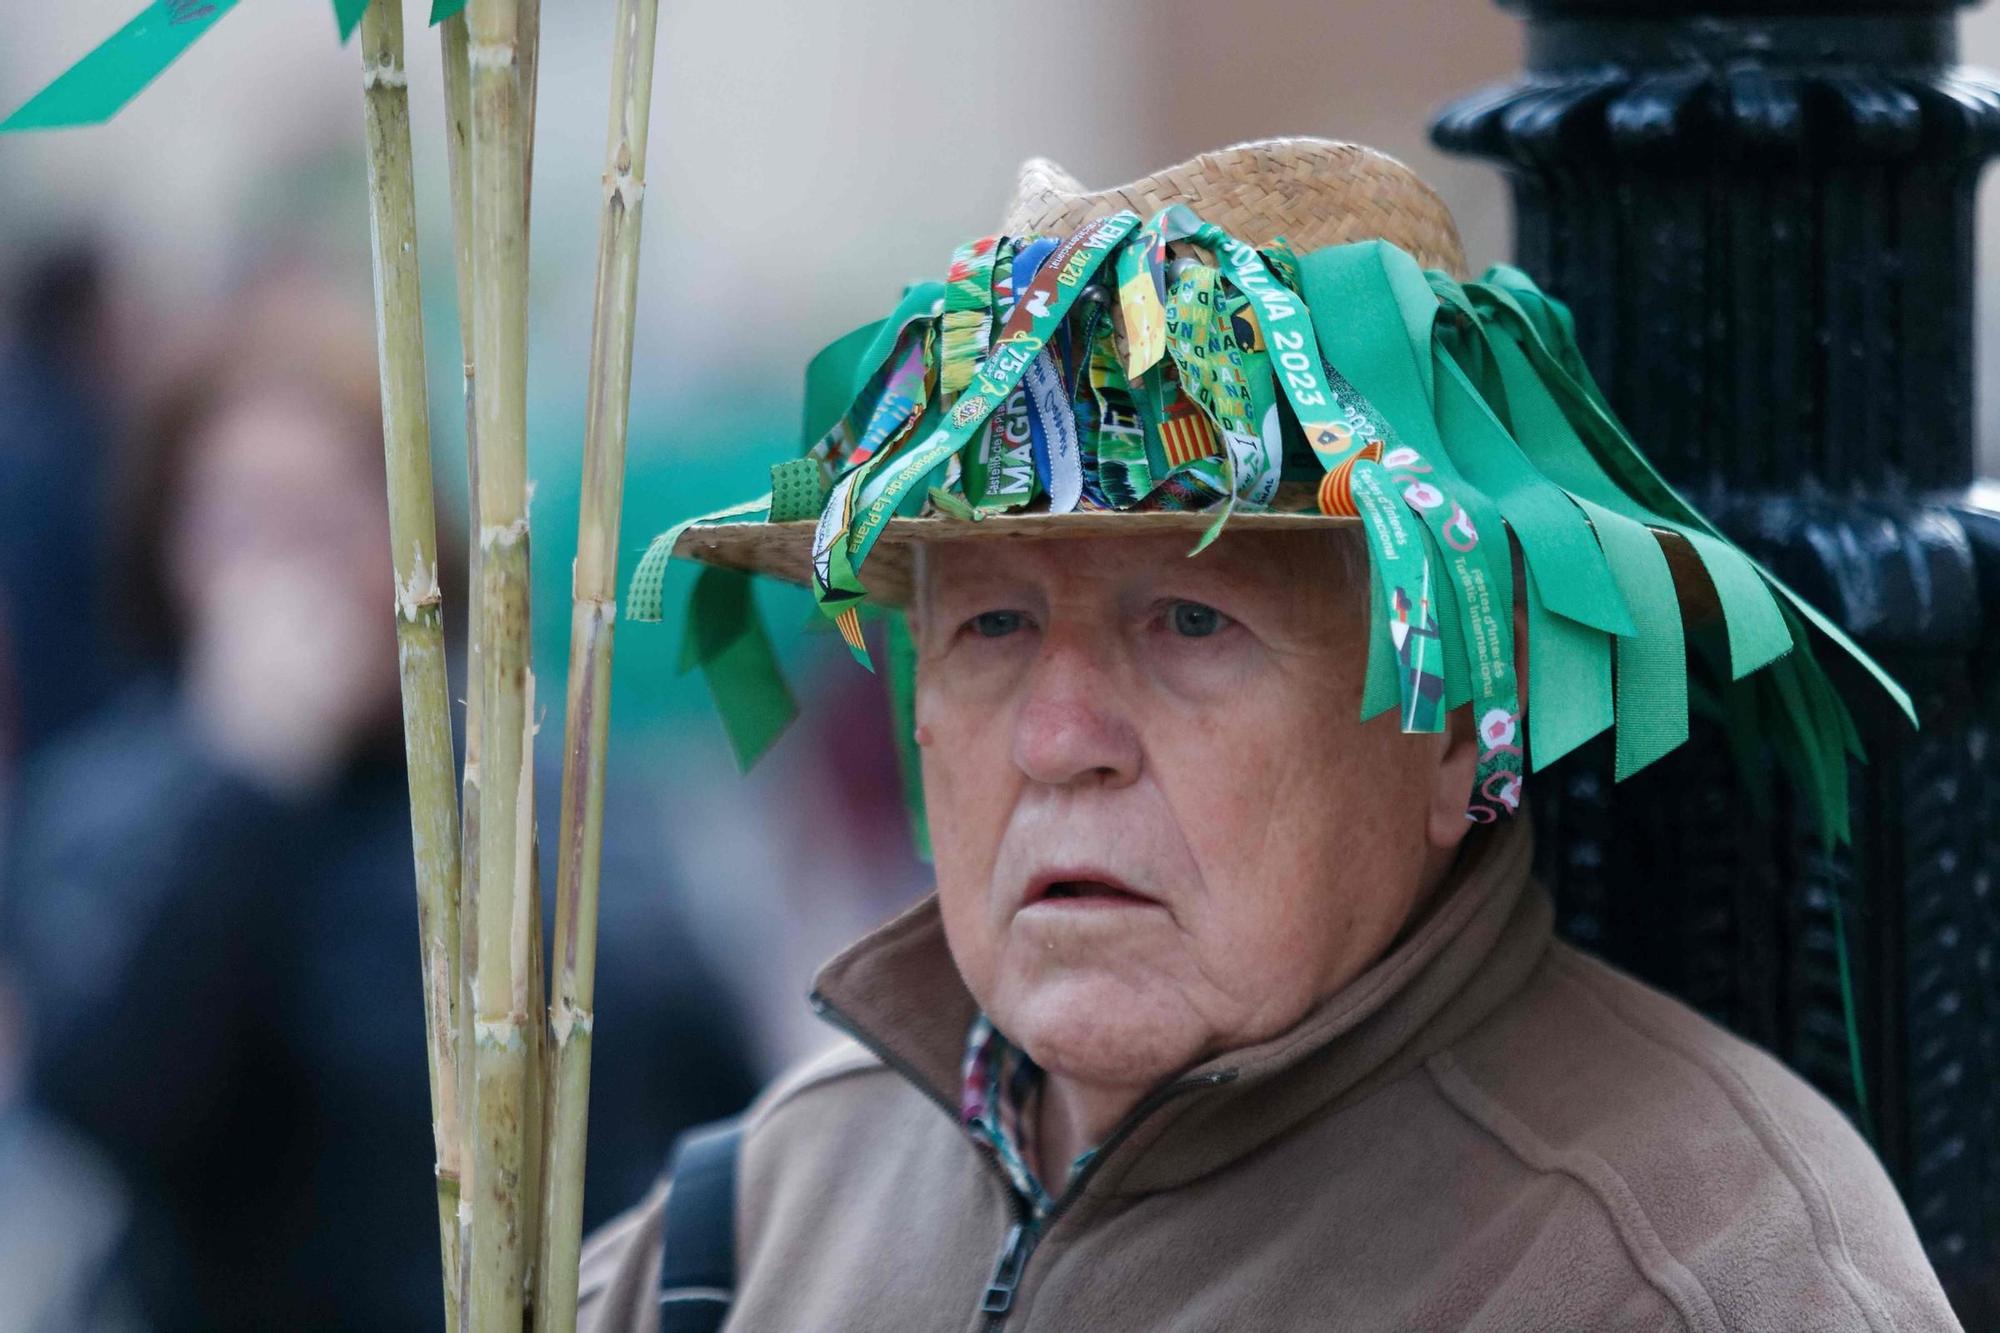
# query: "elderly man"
(1236, 1006)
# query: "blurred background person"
(210, 913)
(58, 1259)
(56, 373)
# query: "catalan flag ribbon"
(1185, 433)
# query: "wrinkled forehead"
(1288, 564)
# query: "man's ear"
(1451, 784)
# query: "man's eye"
(1192, 620)
(995, 624)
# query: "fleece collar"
(898, 991)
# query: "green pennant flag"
(97, 87)
(726, 639)
(347, 13)
(444, 9)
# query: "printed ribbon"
(835, 448)
(1000, 462)
(1213, 370)
(1124, 472)
(1405, 596)
(968, 313)
(1381, 292)
(866, 497)
(1077, 345)
(904, 395)
(1051, 421)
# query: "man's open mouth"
(1087, 889)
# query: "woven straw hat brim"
(784, 550)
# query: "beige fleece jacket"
(1486, 1130)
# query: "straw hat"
(1311, 192)
(1452, 421)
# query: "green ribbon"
(1609, 469)
(843, 416)
(1124, 471)
(725, 637)
(97, 87)
(1811, 730)
(1807, 722)
(644, 596)
(347, 15)
(1850, 1016)
(1382, 346)
(1651, 684)
(1572, 600)
(903, 706)
(444, 9)
(1569, 674)
(1556, 542)
(835, 376)
(798, 491)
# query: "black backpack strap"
(698, 1240)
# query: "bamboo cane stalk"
(452, 43)
(534, 1148)
(587, 710)
(530, 46)
(419, 602)
(506, 815)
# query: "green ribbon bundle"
(1443, 414)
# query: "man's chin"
(1097, 1028)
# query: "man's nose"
(1074, 726)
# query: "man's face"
(1160, 830)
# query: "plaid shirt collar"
(999, 1099)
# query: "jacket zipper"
(1022, 1239)
(996, 1302)
(998, 1298)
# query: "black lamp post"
(1762, 214)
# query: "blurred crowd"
(213, 1106)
